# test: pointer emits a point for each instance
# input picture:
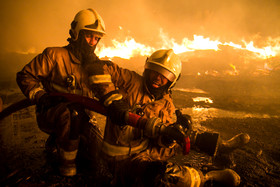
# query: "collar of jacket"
(73, 58)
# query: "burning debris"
(202, 55)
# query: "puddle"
(200, 114)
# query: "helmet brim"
(162, 70)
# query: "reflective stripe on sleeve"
(68, 155)
(33, 92)
(98, 79)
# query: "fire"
(234, 72)
(203, 99)
(265, 52)
(125, 50)
(233, 67)
(199, 43)
(130, 48)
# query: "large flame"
(130, 48)
(125, 50)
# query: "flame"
(265, 52)
(234, 72)
(233, 67)
(130, 48)
(202, 99)
(198, 43)
(125, 50)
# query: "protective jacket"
(133, 157)
(125, 140)
(54, 70)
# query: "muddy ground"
(24, 162)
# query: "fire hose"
(93, 105)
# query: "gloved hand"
(118, 112)
(47, 101)
(184, 121)
(173, 132)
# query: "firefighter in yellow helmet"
(62, 69)
(139, 155)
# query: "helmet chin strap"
(86, 49)
(157, 92)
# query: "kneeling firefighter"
(138, 154)
(61, 70)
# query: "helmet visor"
(166, 73)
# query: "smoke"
(37, 24)
(31, 25)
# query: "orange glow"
(203, 99)
(130, 48)
(125, 50)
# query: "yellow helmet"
(165, 62)
(87, 19)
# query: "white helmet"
(165, 62)
(87, 20)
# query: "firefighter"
(139, 155)
(61, 69)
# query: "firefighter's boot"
(226, 177)
(236, 142)
(177, 175)
(67, 158)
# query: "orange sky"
(32, 25)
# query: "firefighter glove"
(184, 122)
(47, 101)
(118, 112)
(173, 133)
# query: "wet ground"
(24, 162)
